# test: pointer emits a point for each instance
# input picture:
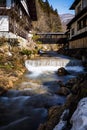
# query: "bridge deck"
(53, 38)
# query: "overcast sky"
(62, 5)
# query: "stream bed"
(25, 107)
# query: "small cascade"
(52, 64)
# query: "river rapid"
(25, 107)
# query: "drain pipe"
(83, 59)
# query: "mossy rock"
(2, 90)
(53, 118)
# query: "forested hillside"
(48, 19)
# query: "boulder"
(41, 52)
(1, 50)
(71, 83)
(62, 71)
(63, 91)
(61, 84)
(10, 83)
(2, 90)
(79, 118)
(32, 56)
(25, 57)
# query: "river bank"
(11, 67)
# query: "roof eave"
(74, 5)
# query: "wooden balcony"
(18, 30)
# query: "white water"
(53, 64)
(75, 68)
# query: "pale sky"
(62, 5)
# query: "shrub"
(35, 37)
(39, 42)
(13, 42)
(26, 52)
(2, 40)
(35, 51)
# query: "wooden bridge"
(52, 38)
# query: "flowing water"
(27, 106)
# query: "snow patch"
(79, 118)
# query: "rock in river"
(63, 91)
(62, 71)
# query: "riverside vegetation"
(12, 59)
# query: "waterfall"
(52, 64)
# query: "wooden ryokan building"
(16, 17)
(78, 25)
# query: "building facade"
(78, 25)
(15, 18)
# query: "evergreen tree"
(48, 18)
(56, 12)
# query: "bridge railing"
(52, 38)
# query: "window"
(84, 3)
(73, 31)
(82, 23)
(12, 3)
(79, 25)
(8, 3)
(20, 13)
(2, 3)
(78, 8)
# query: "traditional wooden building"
(16, 17)
(78, 25)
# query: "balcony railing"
(18, 30)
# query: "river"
(25, 107)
